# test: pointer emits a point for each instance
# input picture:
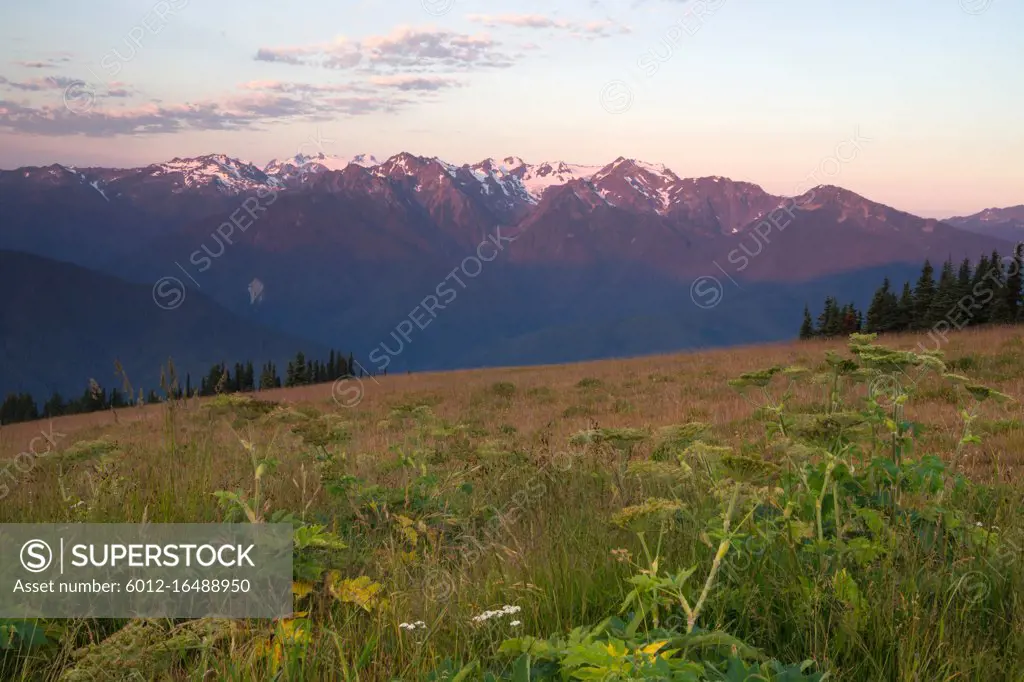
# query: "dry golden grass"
(549, 403)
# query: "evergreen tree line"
(300, 372)
(21, 407)
(961, 296)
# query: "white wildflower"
(413, 626)
(506, 610)
(515, 623)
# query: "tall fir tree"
(882, 310)
(997, 280)
(982, 293)
(235, 382)
(269, 378)
(848, 320)
(807, 328)
(822, 324)
(944, 303)
(904, 316)
(1007, 303)
(924, 296)
(830, 322)
(963, 280)
(55, 406)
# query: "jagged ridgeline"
(969, 295)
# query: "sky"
(917, 104)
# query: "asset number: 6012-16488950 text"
(214, 586)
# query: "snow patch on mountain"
(537, 179)
(316, 163)
(365, 160)
(451, 169)
(229, 175)
(95, 183)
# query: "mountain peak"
(513, 162)
(1004, 223)
(623, 167)
(404, 161)
(504, 166)
(820, 195)
(365, 160)
(228, 174)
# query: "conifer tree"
(225, 379)
(983, 290)
(847, 319)
(924, 296)
(904, 317)
(830, 320)
(18, 407)
(944, 303)
(807, 328)
(963, 280)
(212, 380)
(1007, 304)
(994, 291)
(301, 370)
(94, 398)
(55, 406)
(822, 325)
(879, 314)
(268, 377)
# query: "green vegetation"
(834, 544)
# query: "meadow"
(823, 510)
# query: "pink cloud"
(407, 47)
(588, 30)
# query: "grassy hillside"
(856, 519)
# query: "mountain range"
(1005, 223)
(415, 263)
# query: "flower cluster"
(506, 610)
(413, 626)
